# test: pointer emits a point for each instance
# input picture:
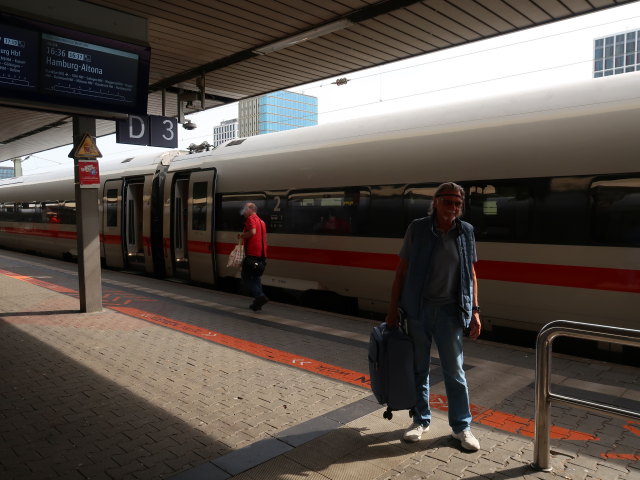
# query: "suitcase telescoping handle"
(402, 321)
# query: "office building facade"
(617, 54)
(227, 130)
(6, 172)
(275, 112)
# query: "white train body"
(552, 180)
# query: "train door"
(200, 244)
(133, 218)
(179, 222)
(112, 223)
(147, 220)
(167, 224)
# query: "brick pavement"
(111, 396)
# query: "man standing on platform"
(435, 284)
(255, 260)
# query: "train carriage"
(552, 182)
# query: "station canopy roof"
(244, 48)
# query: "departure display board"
(55, 68)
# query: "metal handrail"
(558, 328)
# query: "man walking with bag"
(254, 235)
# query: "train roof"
(578, 128)
(59, 184)
(585, 128)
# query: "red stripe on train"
(198, 247)
(110, 239)
(40, 232)
(595, 278)
(344, 258)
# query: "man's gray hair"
(442, 188)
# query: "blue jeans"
(442, 325)
(252, 282)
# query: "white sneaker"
(415, 432)
(467, 440)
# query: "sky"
(561, 52)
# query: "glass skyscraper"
(275, 112)
(6, 172)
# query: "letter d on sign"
(134, 130)
(137, 127)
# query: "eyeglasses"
(452, 203)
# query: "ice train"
(552, 181)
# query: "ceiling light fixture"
(304, 36)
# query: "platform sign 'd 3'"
(152, 130)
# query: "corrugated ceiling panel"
(555, 9)
(529, 10)
(217, 37)
(503, 10)
(497, 23)
(460, 16)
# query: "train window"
(499, 211)
(417, 202)
(29, 212)
(112, 207)
(337, 212)
(50, 212)
(563, 212)
(68, 213)
(384, 218)
(616, 211)
(199, 215)
(231, 205)
(7, 213)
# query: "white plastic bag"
(236, 256)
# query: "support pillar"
(88, 228)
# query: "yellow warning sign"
(86, 149)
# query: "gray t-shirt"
(443, 278)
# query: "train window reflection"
(29, 212)
(199, 219)
(417, 201)
(338, 212)
(616, 211)
(112, 207)
(68, 213)
(499, 211)
(7, 212)
(563, 212)
(231, 205)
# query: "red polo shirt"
(253, 245)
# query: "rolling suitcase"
(391, 369)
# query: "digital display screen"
(17, 47)
(55, 67)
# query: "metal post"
(541, 447)
(544, 396)
(87, 229)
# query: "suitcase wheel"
(412, 412)
(388, 414)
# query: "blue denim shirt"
(423, 239)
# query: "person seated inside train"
(334, 225)
(52, 217)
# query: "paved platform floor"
(175, 381)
